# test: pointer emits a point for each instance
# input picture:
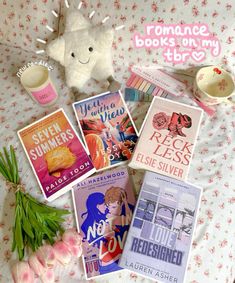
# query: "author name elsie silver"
(150, 272)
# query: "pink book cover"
(107, 128)
(56, 154)
(167, 138)
(104, 204)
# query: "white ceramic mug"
(37, 82)
(213, 85)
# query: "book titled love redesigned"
(56, 154)
(160, 236)
(167, 139)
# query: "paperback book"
(107, 128)
(160, 236)
(56, 154)
(104, 205)
(167, 138)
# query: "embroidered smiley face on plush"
(84, 50)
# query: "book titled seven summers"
(167, 139)
(56, 154)
(160, 235)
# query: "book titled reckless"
(167, 138)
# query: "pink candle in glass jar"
(37, 82)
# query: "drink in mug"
(213, 85)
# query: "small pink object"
(130, 80)
(72, 238)
(76, 251)
(22, 273)
(48, 276)
(62, 252)
(155, 92)
(36, 265)
(209, 110)
(46, 95)
(46, 256)
(161, 121)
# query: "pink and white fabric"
(22, 21)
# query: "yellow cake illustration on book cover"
(59, 159)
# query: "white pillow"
(23, 21)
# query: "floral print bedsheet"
(213, 253)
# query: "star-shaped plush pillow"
(84, 50)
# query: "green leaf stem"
(34, 222)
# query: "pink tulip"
(22, 273)
(72, 238)
(62, 252)
(36, 265)
(46, 256)
(74, 242)
(76, 251)
(48, 276)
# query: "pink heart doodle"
(198, 56)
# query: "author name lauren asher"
(161, 166)
(150, 272)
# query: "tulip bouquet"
(34, 222)
(42, 262)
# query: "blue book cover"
(104, 205)
(160, 235)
